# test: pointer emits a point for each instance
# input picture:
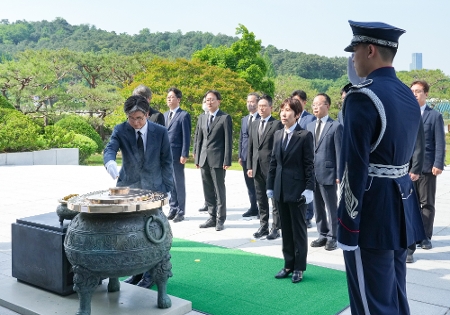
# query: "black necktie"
(211, 117)
(170, 118)
(261, 129)
(318, 130)
(285, 141)
(140, 144)
(250, 121)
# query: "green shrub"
(4, 103)
(85, 145)
(18, 133)
(57, 137)
(80, 126)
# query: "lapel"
(325, 130)
(269, 126)
(149, 146)
(175, 116)
(426, 113)
(131, 137)
(294, 138)
(216, 119)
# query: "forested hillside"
(22, 35)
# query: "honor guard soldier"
(378, 212)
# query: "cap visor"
(349, 48)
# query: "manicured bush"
(85, 145)
(57, 137)
(80, 126)
(18, 133)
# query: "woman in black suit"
(290, 183)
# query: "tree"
(193, 78)
(244, 57)
(438, 81)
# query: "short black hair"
(327, 98)
(216, 93)
(267, 98)
(300, 93)
(136, 103)
(176, 91)
(294, 104)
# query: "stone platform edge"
(29, 300)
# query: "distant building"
(416, 63)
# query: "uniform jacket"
(381, 121)
(244, 137)
(156, 171)
(261, 151)
(214, 144)
(433, 126)
(179, 130)
(291, 171)
(327, 151)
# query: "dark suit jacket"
(327, 151)
(433, 126)
(416, 163)
(179, 129)
(291, 171)
(261, 150)
(215, 144)
(305, 119)
(156, 117)
(156, 173)
(244, 138)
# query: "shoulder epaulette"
(362, 84)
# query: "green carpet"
(222, 281)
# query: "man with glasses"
(146, 156)
(213, 147)
(327, 134)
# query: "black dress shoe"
(308, 223)
(250, 213)
(262, 231)
(209, 223)
(409, 258)
(178, 218)
(426, 244)
(331, 245)
(297, 276)
(133, 279)
(146, 281)
(274, 234)
(283, 274)
(319, 242)
(171, 216)
(219, 226)
(204, 208)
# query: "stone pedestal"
(38, 256)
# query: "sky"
(313, 27)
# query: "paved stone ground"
(32, 190)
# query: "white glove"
(269, 193)
(111, 168)
(347, 247)
(308, 196)
(169, 195)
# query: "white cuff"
(347, 247)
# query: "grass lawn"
(97, 160)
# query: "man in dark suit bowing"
(213, 149)
(146, 157)
(260, 146)
(153, 115)
(252, 106)
(178, 124)
(291, 183)
(327, 134)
